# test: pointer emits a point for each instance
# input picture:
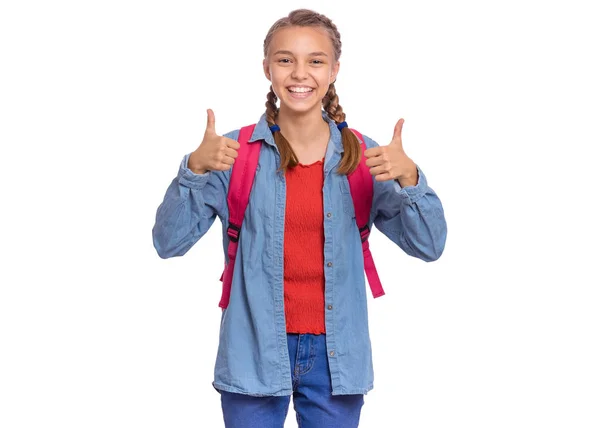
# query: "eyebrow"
(282, 52)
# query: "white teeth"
(300, 89)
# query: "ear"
(334, 72)
(266, 69)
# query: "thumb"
(398, 131)
(210, 121)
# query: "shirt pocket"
(347, 197)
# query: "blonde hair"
(351, 144)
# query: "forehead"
(301, 40)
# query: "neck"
(302, 129)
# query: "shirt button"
(328, 214)
(332, 353)
(329, 264)
(330, 307)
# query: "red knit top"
(303, 258)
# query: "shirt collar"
(262, 132)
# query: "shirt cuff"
(190, 179)
(412, 193)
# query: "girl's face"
(300, 65)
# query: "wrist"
(198, 171)
(195, 166)
(410, 179)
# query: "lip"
(299, 86)
(301, 95)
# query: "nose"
(300, 71)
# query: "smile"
(300, 92)
(299, 89)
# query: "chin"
(300, 106)
(301, 109)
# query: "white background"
(100, 101)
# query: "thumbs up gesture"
(391, 162)
(215, 153)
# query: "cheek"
(326, 78)
(278, 80)
(278, 83)
(324, 81)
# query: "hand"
(390, 162)
(215, 153)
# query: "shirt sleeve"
(412, 216)
(189, 208)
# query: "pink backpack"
(240, 185)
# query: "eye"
(317, 61)
(283, 60)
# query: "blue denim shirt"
(252, 356)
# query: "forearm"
(187, 211)
(413, 218)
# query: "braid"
(352, 150)
(286, 153)
(331, 106)
(271, 105)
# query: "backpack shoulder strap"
(242, 177)
(361, 189)
(238, 195)
(361, 186)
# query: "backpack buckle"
(364, 233)
(233, 232)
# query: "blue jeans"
(314, 405)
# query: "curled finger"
(375, 161)
(231, 153)
(380, 169)
(227, 160)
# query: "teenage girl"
(296, 320)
